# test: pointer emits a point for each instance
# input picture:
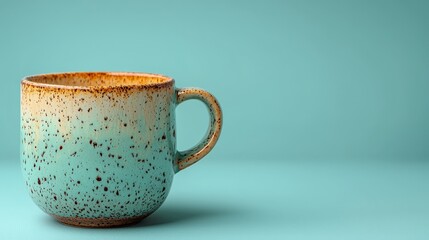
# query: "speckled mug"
(98, 149)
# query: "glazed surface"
(98, 152)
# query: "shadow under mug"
(98, 149)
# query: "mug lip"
(29, 80)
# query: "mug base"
(99, 222)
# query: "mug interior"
(97, 79)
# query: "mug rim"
(30, 80)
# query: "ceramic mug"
(98, 149)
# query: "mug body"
(98, 149)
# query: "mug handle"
(186, 158)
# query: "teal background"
(326, 111)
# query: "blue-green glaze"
(99, 149)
